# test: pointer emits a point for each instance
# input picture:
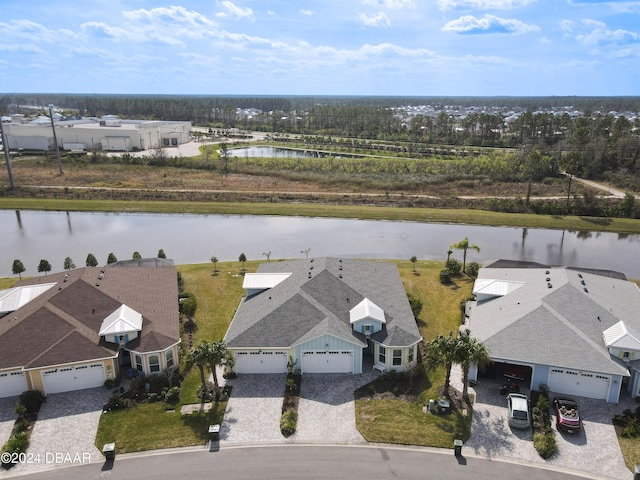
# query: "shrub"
(32, 400)
(472, 269)
(545, 444)
(20, 409)
(543, 403)
(20, 426)
(16, 444)
(172, 395)
(157, 383)
(110, 383)
(288, 422)
(416, 305)
(454, 267)
(445, 277)
(115, 402)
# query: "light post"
(55, 139)
(5, 147)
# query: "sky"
(321, 47)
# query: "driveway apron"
(326, 413)
(594, 450)
(66, 429)
(254, 408)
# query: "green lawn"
(465, 216)
(150, 426)
(396, 421)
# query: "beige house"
(73, 330)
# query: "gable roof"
(556, 317)
(620, 336)
(122, 320)
(316, 298)
(13, 298)
(62, 325)
(366, 309)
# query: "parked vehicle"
(518, 406)
(567, 415)
(509, 387)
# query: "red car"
(567, 415)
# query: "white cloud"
(390, 4)
(307, 12)
(172, 14)
(233, 11)
(618, 6)
(595, 32)
(488, 24)
(379, 20)
(483, 4)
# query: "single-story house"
(324, 315)
(574, 330)
(73, 330)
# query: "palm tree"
(442, 351)
(242, 258)
(449, 252)
(214, 260)
(464, 246)
(198, 356)
(217, 355)
(413, 260)
(470, 351)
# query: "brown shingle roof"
(62, 324)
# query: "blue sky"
(322, 47)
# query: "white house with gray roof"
(574, 330)
(327, 315)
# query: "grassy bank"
(435, 215)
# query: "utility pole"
(55, 139)
(7, 157)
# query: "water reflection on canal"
(31, 236)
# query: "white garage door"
(73, 378)
(12, 384)
(332, 361)
(583, 384)
(261, 362)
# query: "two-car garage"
(313, 361)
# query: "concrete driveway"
(66, 428)
(595, 450)
(7, 417)
(326, 412)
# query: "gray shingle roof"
(316, 300)
(556, 318)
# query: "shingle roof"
(62, 324)
(557, 317)
(316, 299)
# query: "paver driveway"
(595, 450)
(7, 417)
(67, 424)
(326, 413)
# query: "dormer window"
(625, 355)
(367, 329)
(367, 317)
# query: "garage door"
(261, 362)
(583, 384)
(73, 378)
(332, 361)
(12, 384)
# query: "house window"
(382, 358)
(397, 357)
(410, 356)
(625, 355)
(367, 329)
(169, 357)
(138, 359)
(165, 142)
(174, 142)
(154, 363)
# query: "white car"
(518, 405)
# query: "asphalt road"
(308, 462)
